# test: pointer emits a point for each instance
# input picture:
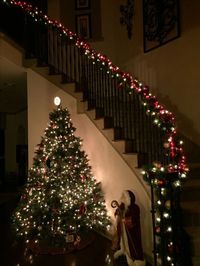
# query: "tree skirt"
(44, 248)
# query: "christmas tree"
(62, 201)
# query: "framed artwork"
(83, 26)
(82, 4)
(161, 23)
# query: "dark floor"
(97, 253)
(13, 253)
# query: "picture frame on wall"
(157, 34)
(83, 26)
(82, 4)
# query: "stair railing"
(126, 105)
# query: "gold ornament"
(168, 204)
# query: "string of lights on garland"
(162, 117)
(158, 176)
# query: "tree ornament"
(54, 210)
(157, 229)
(69, 238)
(77, 241)
(82, 209)
(46, 178)
(168, 204)
(83, 178)
(39, 227)
(38, 185)
(161, 182)
(23, 197)
(171, 248)
(166, 145)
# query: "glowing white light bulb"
(57, 100)
(169, 258)
(169, 229)
(166, 215)
(159, 202)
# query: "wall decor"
(83, 26)
(82, 4)
(127, 12)
(160, 22)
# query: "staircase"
(190, 202)
(143, 148)
(82, 107)
(190, 193)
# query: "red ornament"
(83, 178)
(54, 210)
(77, 241)
(24, 197)
(171, 248)
(38, 185)
(161, 182)
(157, 229)
(82, 209)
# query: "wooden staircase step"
(194, 172)
(194, 165)
(191, 207)
(44, 71)
(194, 235)
(91, 113)
(70, 88)
(191, 183)
(190, 194)
(108, 133)
(29, 62)
(193, 231)
(131, 159)
(119, 145)
(196, 261)
(191, 219)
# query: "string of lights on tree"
(62, 202)
(157, 175)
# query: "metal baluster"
(75, 64)
(70, 61)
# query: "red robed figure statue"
(128, 241)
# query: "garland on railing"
(158, 176)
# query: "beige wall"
(171, 71)
(66, 12)
(9, 51)
(54, 9)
